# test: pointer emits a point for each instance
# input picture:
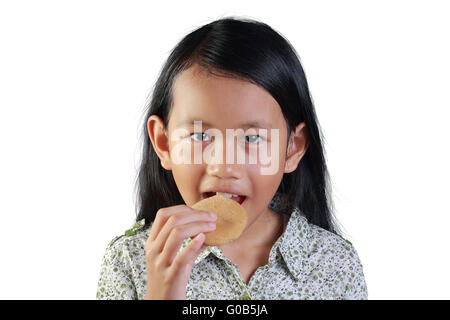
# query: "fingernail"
(213, 215)
(211, 225)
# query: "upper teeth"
(226, 195)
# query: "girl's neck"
(262, 233)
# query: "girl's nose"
(225, 170)
(219, 167)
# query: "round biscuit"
(231, 219)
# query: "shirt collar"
(210, 249)
(293, 245)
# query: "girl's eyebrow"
(250, 124)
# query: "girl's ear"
(160, 140)
(297, 146)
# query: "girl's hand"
(167, 271)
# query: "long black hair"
(246, 49)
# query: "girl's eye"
(201, 135)
(252, 138)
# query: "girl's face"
(222, 104)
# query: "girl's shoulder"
(319, 236)
(330, 249)
(123, 265)
(320, 246)
(313, 237)
(134, 237)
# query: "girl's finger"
(162, 216)
(176, 220)
(187, 256)
(180, 233)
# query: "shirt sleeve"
(115, 281)
(355, 284)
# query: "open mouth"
(238, 198)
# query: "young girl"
(232, 74)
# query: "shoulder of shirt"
(334, 256)
(318, 242)
(313, 235)
(324, 242)
(138, 232)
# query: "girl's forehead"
(221, 101)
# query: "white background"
(74, 76)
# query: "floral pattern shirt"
(306, 262)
